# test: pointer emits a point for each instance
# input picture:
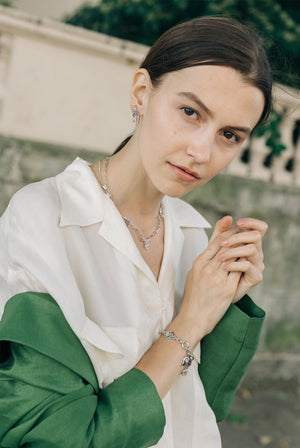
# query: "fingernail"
(225, 243)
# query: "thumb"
(222, 225)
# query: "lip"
(184, 173)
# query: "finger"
(244, 251)
(251, 236)
(233, 279)
(253, 224)
(252, 275)
(257, 262)
(208, 256)
(221, 231)
(222, 226)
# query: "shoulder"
(35, 202)
(44, 202)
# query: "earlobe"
(140, 90)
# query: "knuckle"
(217, 241)
(196, 264)
(207, 270)
(252, 249)
(257, 235)
(259, 277)
(247, 265)
(209, 249)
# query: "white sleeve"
(17, 252)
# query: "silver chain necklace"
(128, 223)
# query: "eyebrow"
(202, 106)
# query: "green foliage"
(271, 133)
(144, 21)
(6, 3)
(278, 27)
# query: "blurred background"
(65, 76)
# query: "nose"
(200, 148)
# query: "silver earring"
(135, 115)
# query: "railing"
(27, 42)
(256, 160)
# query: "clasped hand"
(223, 273)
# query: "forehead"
(223, 90)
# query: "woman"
(106, 261)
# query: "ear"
(140, 90)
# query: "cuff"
(134, 409)
(227, 351)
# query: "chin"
(175, 191)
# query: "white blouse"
(64, 236)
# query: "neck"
(132, 191)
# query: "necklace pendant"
(106, 190)
(127, 221)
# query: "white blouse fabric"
(64, 236)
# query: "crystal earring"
(135, 115)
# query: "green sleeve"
(227, 351)
(49, 392)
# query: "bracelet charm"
(188, 359)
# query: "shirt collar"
(83, 202)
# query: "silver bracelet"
(189, 357)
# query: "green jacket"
(49, 395)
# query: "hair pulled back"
(212, 40)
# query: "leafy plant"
(272, 135)
(6, 3)
(144, 21)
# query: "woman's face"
(193, 124)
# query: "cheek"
(221, 159)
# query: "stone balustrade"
(67, 86)
(284, 169)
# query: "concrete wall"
(62, 84)
(278, 358)
(55, 9)
(69, 86)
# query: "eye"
(191, 113)
(230, 136)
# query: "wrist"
(186, 330)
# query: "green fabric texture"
(227, 351)
(49, 395)
(49, 391)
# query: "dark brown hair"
(211, 41)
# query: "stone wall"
(278, 356)
(22, 162)
(62, 84)
(74, 91)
